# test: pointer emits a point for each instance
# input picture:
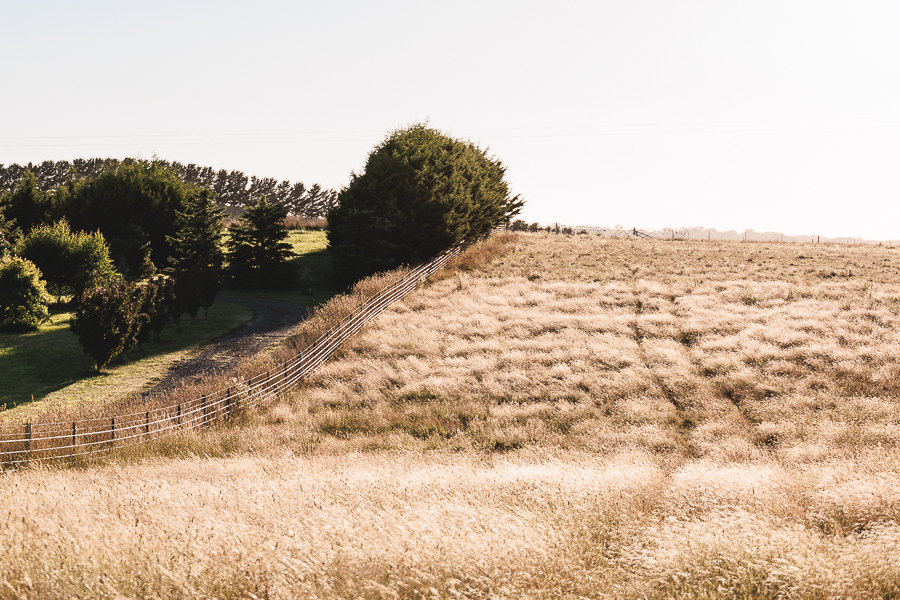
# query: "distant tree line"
(231, 188)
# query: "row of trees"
(231, 188)
(146, 213)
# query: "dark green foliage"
(420, 193)
(23, 298)
(69, 262)
(26, 205)
(107, 320)
(232, 188)
(257, 251)
(197, 260)
(363, 241)
(135, 206)
(5, 230)
(305, 282)
(518, 225)
(159, 306)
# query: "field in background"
(312, 254)
(556, 417)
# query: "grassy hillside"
(557, 417)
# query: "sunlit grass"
(551, 418)
(311, 248)
(50, 365)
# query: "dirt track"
(272, 321)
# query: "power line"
(473, 130)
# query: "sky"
(774, 116)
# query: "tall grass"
(564, 418)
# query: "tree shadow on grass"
(38, 363)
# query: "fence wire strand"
(61, 440)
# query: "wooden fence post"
(178, 416)
(112, 431)
(28, 434)
(147, 424)
(74, 434)
(203, 410)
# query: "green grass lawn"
(50, 364)
(311, 248)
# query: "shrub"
(305, 282)
(519, 225)
(70, 262)
(23, 297)
(420, 193)
(135, 206)
(107, 320)
(159, 307)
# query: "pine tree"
(197, 260)
(257, 250)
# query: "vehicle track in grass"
(272, 321)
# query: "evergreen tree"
(134, 205)
(421, 192)
(26, 205)
(257, 251)
(197, 258)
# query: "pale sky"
(781, 116)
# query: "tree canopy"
(69, 262)
(197, 258)
(23, 298)
(257, 250)
(420, 192)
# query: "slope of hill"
(577, 417)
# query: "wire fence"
(72, 439)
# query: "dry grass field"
(555, 417)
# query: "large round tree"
(420, 193)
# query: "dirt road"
(272, 321)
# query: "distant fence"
(695, 233)
(71, 439)
(618, 232)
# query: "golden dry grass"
(553, 418)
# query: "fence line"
(71, 439)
